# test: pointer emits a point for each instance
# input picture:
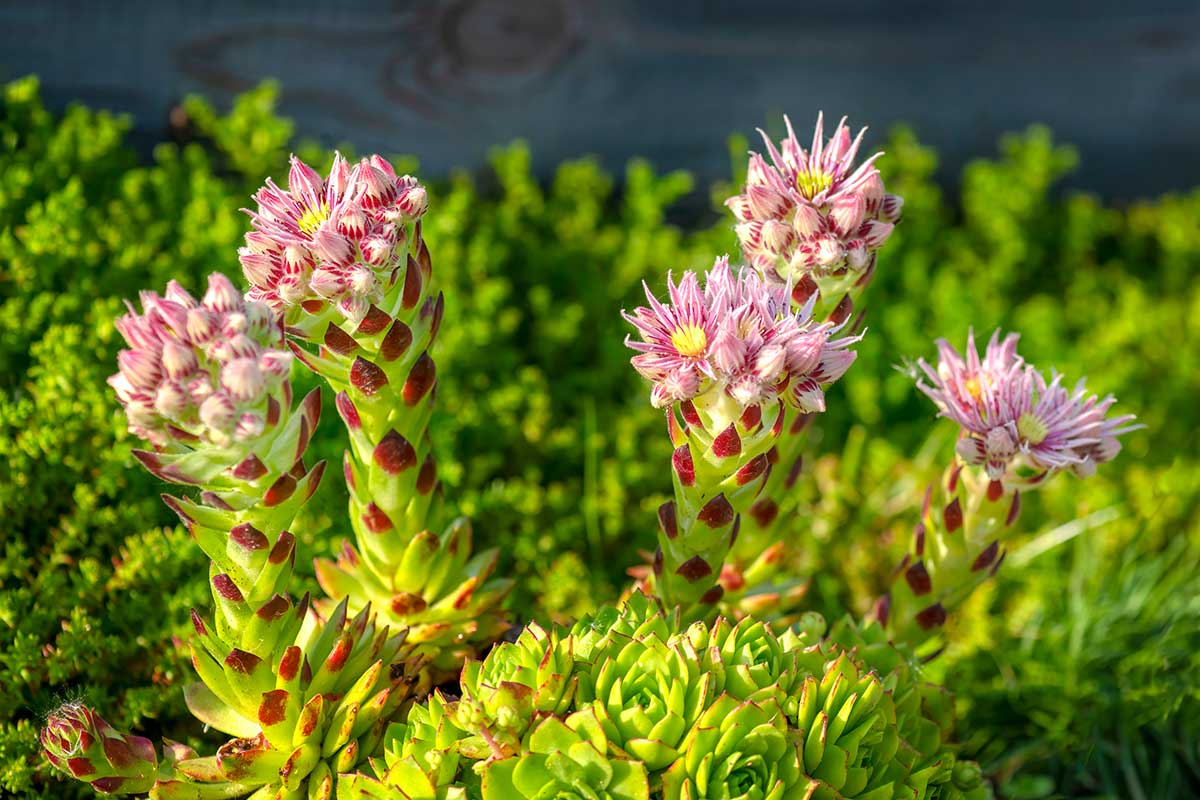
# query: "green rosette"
(738, 749)
(515, 684)
(647, 694)
(566, 760)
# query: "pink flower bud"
(329, 283)
(291, 289)
(259, 318)
(172, 400)
(137, 331)
(829, 252)
(807, 221)
(257, 267)
(836, 359)
(776, 236)
(354, 307)
(351, 222)
(178, 359)
(413, 201)
(770, 362)
(728, 351)
(377, 250)
(141, 368)
(891, 208)
(260, 243)
(362, 281)
(297, 259)
(219, 413)
(372, 185)
(176, 294)
(872, 192)
(875, 233)
(331, 247)
(740, 208)
(276, 363)
(808, 396)
(222, 295)
(804, 353)
(305, 183)
(750, 234)
(848, 213)
(235, 323)
(383, 165)
(249, 426)
(857, 254)
(757, 171)
(199, 388)
(766, 203)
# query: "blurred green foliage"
(1077, 673)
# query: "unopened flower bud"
(750, 234)
(829, 252)
(413, 201)
(172, 400)
(178, 359)
(332, 248)
(740, 208)
(891, 208)
(875, 233)
(222, 295)
(848, 213)
(243, 380)
(296, 259)
(765, 202)
(249, 426)
(806, 221)
(328, 283)
(140, 367)
(259, 242)
(362, 281)
(351, 222)
(202, 326)
(808, 396)
(275, 363)
(257, 267)
(776, 236)
(857, 254)
(219, 413)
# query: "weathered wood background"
(446, 79)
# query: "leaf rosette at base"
(516, 682)
(738, 749)
(646, 694)
(566, 760)
(638, 615)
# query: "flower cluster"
(200, 370)
(1011, 416)
(330, 239)
(813, 212)
(738, 336)
(628, 704)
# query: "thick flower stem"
(958, 544)
(719, 463)
(385, 381)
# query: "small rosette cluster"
(629, 705)
(210, 370)
(813, 213)
(330, 240)
(1017, 430)
(727, 359)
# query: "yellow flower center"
(1032, 429)
(811, 184)
(312, 219)
(974, 388)
(690, 340)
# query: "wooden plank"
(447, 79)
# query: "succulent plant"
(344, 260)
(76, 740)
(646, 693)
(566, 759)
(515, 684)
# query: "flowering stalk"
(813, 219)
(1018, 430)
(305, 698)
(724, 361)
(342, 257)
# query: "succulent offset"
(708, 680)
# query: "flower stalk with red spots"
(305, 698)
(725, 360)
(816, 220)
(1018, 430)
(363, 314)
